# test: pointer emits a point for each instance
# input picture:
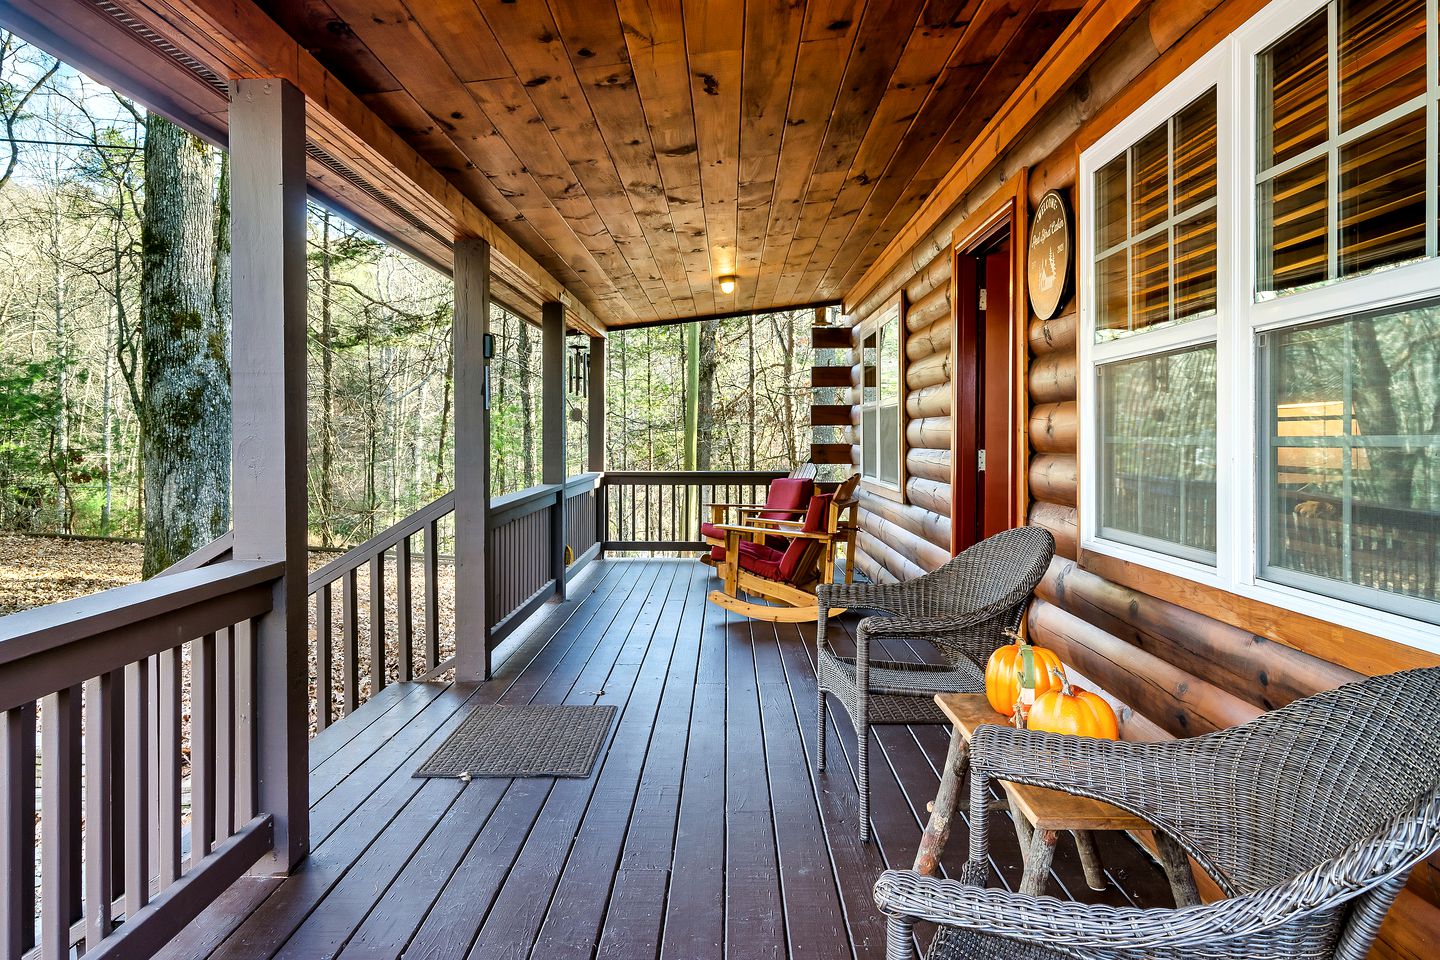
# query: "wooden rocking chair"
(784, 582)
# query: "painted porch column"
(267, 376)
(596, 426)
(553, 388)
(472, 457)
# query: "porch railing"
(101, 695)
(660, 510)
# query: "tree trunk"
(750, 395)
(691, 353)
(185, 349)
(705, 428)
(527, 417)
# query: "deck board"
(705, 832)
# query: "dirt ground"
(38, 570)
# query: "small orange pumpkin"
(1005, 674)
(1074, 711)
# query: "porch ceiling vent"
(220, 85)
(172, 52)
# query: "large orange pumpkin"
(1005, 674)
(1074, 711)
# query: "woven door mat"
(531, 740)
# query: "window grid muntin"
(1173, 218)
(1336, 140)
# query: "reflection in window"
(1353, 436)
(1155, 226)
(1157, 452)
(1342, 159)
(880, 448)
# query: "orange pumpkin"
(1073, 711)
(1005, 674)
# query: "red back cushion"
(787, 495)
(800, 547)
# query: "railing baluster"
(349, 632)
(168, 696)
(324, 693)
(17, 830)
(202, 748)
(59, 821)
(404, 633)
(377, 623)
(244, 721)
(224, 733)
(432, 594)
(137, 794)
(99, 842)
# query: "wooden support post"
(595, 462)
(267, 375)
(472, 458)
(553, 389)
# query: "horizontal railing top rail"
(671, 477)
(51, 648)
(360, 554)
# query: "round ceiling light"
(727, 284)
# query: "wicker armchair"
(1310, 818)
(964, 609)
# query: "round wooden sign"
(1050, 258)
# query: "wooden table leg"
(1176, 862)
(1090, 859)
(1023, 833)
(1037, 865)
(942, 811)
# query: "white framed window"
(882, 419)
(1273, 428)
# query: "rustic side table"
(1040, 815)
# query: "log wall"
(1170, 670)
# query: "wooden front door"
(983, 454)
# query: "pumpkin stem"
(1065, 689)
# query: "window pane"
(1195, 266)
(1294, 85)
(1195, 154)
(869, 442)
(1150, 180)
(1110, 204)
(1294, 210)
(890, 361)
(888, 454)
(1112, 296)
(1353, 498)
(1382, 196)
(1157, 452)
(870, 381)
(1381, 57)
(1150, 281)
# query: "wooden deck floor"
(704, 833)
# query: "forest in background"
(75, 261)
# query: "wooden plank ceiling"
(642, 149)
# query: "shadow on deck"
(704, 833)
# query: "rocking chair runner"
(786, 579)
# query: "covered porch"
(219, 762)
(706, 830)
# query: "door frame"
(1005, 210)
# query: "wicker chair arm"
(888, 597)
(922, 626)
(1062, 923)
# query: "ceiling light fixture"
(727, 284)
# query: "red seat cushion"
(710, 531)
(785, 567)
(748, 549)
(787, 496)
